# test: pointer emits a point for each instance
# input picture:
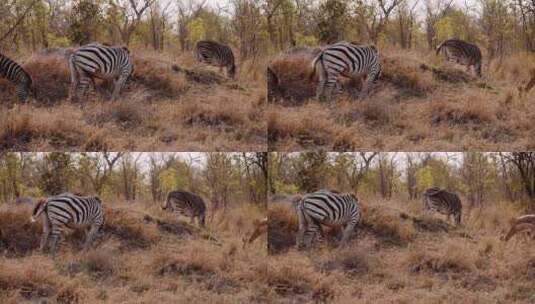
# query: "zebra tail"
(314, 67)
(72, 68)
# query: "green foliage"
(332, 20)
(85, 17)
(57, 173)
(306, 40)
(456, 24)
(196, 30)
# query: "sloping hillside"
(144, 255)
(401, 256)
(170, 104)
(420, 104)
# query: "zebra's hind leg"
(46, 234)
(84, 84)
(91, 235)
(55, 239)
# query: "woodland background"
(481, 178)
(224, 179)
(259, 27)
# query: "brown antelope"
(525, 223)
(260, 228)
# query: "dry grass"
(143, 255)
(420, 104)
(159, 110)
(401, 256)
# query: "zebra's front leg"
(91, 235)
(366, 88)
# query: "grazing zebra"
(522, 223)
(187, 204)
(346, 59)
(326, 208)
(444, 202)
(216, 54)
(462, 52)
(13, 72)
(99, 61)
(71, 211)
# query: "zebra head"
(38, 210)
(457, 216)
(231, 71)
(165, 204)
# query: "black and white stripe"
(68, 211)
(444, 202)
(99, 61)
(187, 204)
(326, 208)
(216, 54)
(462, 52)
(346, 59)
(13, 72)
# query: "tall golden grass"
(159, 110)
(144, 255)
(421, 103)
(401, 255)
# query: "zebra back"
(102, 60)
(330, 208)
(348, 58)
(13, 72)
(69, 209)
(443, 201)
(184, 201)
(217, 54)
(462, 49)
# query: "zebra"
(346, 59)
(463, 53)
(522, 223)
(444, 202)
(216, 54)
(99, 61)
(13, 72)
(187, 204)
(71, 211)
(328, 208)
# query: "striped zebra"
(68, 210)
(216, 54)
(463, 53)
(13, 72)
(346, 59)
(326, 208)
(444, 202)
(187, 204)
(522, 223)
(99, 61)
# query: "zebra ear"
(126, 49)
